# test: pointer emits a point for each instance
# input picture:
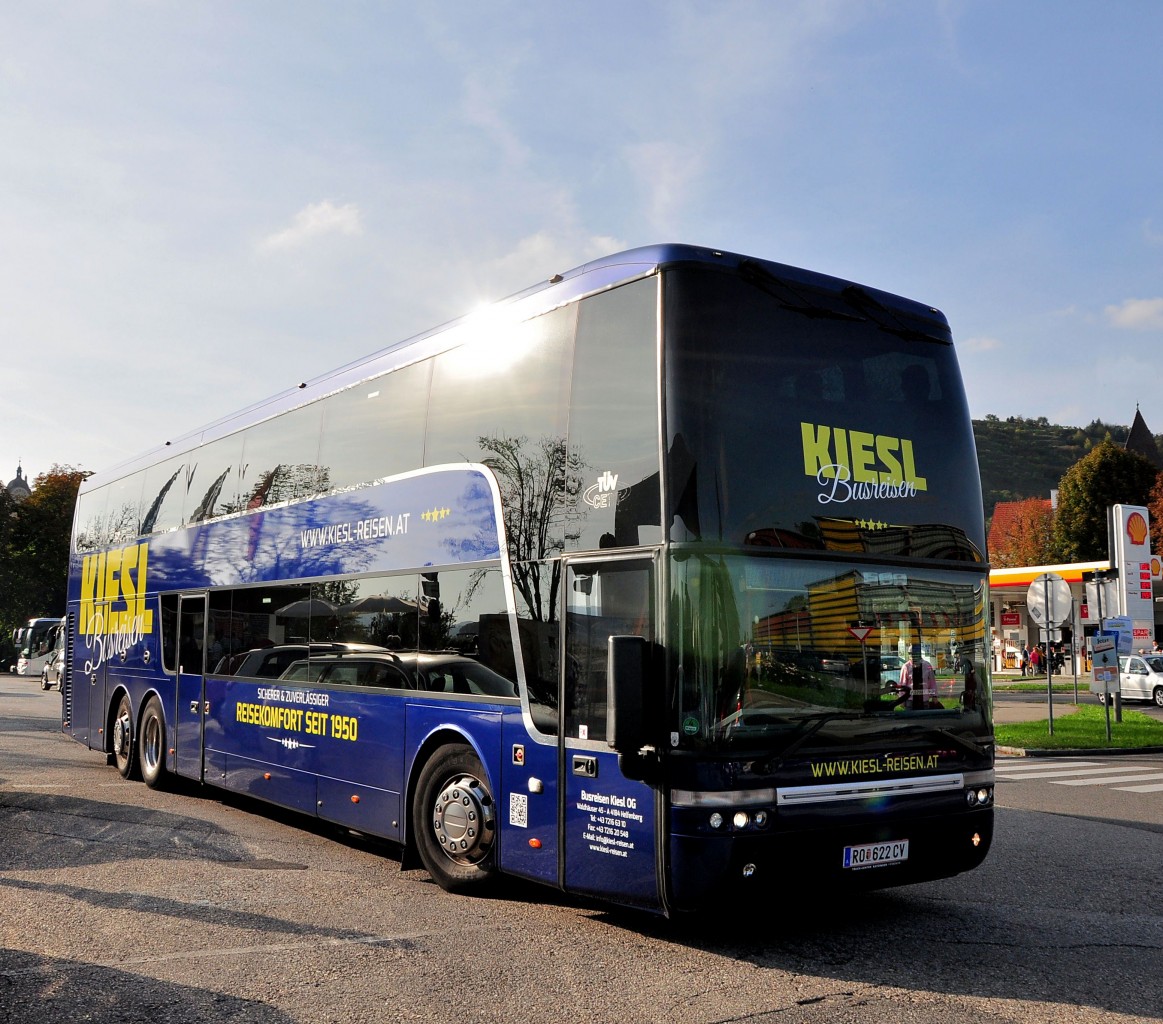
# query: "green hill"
(1023, 458)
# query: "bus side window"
(169, 631)
(613, 426)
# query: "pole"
(1106, 703)
(1074, 644)
(1049, 661)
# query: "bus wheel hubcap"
(152, 748)
(121, 735)
(462, 820)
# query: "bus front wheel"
(151, 744)
(454, 821)
(123, 749)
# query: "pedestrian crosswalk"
(1069, 771)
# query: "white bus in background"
(34, 643)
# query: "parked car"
(1140, 678)
(53, 669)
(885, 668)
(433, 673)
(834, 664)
(272, 662)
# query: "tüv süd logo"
(604, 493)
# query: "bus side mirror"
(627, 671)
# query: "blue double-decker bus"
(663, 582)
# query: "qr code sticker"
(519, 810)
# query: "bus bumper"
(709, 871)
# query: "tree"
(1155, 507)
(533, 486)
(1025, 537)
(34, 547)
(1109, 475)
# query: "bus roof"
(560, 288)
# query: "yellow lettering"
(816, 453)
(841, 436)
(111, 588)
(886, 448)
(129, 557)
(910, 469)
(138, 607)
(862, 445)
(88, 594)
(859, 456)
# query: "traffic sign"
(861, 633)
(1048, 600)
(1104, 664)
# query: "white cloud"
(537, 256)
(316, 219)
(1137, 314)
(668, 174)
(981, 344)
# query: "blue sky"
(202, 204)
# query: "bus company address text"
(878, 764)
(354, 532)
(607, 829)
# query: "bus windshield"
(763, 644)
(804, 419)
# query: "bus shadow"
(49, 990)
(40, 831)
(1029, 925)
(45, 829)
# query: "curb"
(1075, 752)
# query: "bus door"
(610, 822)
(89, 706)
(190, 710)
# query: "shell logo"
(1137, 528)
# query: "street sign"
(1048, 600)
(861, 633)
(1105, 664)
(1123, 630)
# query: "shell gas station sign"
(1137, 567)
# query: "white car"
(1141, 677)
(53, 669)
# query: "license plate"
(873, 855)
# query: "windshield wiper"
(884, 318)
(787, 295)
(968, 746)
(812, 726)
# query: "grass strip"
(1040, 687)
(1083, 728)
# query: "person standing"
(1025, 658)
(928, 683)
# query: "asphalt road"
(124, 904)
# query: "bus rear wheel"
(151, 744)
(122, 738)
(454, 821)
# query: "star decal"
(435, 515)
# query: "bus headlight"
(716, 820)
(980, 797)
(741, 819)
